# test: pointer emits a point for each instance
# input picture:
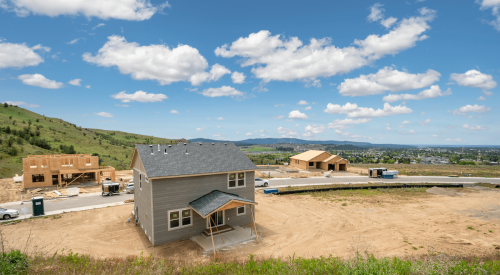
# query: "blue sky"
(415, 72)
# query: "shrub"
(13, 262)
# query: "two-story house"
(181, 190)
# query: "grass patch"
(258, 149)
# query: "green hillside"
(23, 133)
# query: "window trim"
(180, 218)
(244, 213)
(236, 180)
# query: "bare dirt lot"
(432, 170)
(408, 222)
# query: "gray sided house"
(180, 188)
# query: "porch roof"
(216, 201)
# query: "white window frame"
(223, 220)
(236, 180)
(244, 213)
(180, 218)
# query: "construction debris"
(35, 190)
(83, 190)
(129, 200)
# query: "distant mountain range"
(260, 141)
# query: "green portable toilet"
(37, 203)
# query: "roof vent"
(151, 147)
(213, 143)
(166, 151)
(169, 146)
(225, 143)
(200, 143)
(185, 143)
(159, 148)
(186, 152)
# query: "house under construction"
(62, 170)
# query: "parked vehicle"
(8, 213)
(111, 188)
(130, 188)
(261, 182)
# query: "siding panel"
(142, 200)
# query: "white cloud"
(222, 91)
(387, 79)
(19, 55)
(278, 117)
(297, 115)
(136, 10)
(434, 136)
(495, 6)
(39, 81)
(99, 25)
(342, 133)
(314, 129)
(481, 98)
(74, 41)
(218, 136)
(297, 125)
(220, 118)
(278, 58)
(200, 129)
(377, 13)
(343, 124)
(422, 113)
(174, 112)
(21, 103)
(238, 78)
(279, 105)
(248, 134)
(88, 86)
(121, 105)
(474, 79)
(433, 92)
(353, 111)
(308, 108)
(455, 139)
(405, 122)
(471, 109)
(487, 93)
(424, 123)
(286, 132)
(302, 102)
(218, 127)
(215, 74)
(139, 96)
(75, 82)
(104, 114)
(388, 128)
(412, 132)
(474, 128)
(154, 62)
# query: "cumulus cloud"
(39, 81)
(424, 123)
(136, 10)
(23, 104)
(281, 59)
(311, 130)
(405, 122)
(222, 91)
(200, 129)
(377, 14)
(495, 6)
(344, 123)
(481, 98)
(387, 79)
(434, 136)
(464, 110)
(433, 92)
(308, 108)
(88, 86)
(302, 102)
(19, 55)
(174, 112)
(297, 115)
(75, 82)
(338, 132)
(155, 62)
(474, 79)
(238, 78)
(248, 134)
(287, 132)
(104, 114)
(278, 117)
(215, 73)
(353, 111)
(474, 128)
(220, 118)
(139, 96)
(455, 139)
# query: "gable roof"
(308, 155)
(214, 200)
(201, 158)
(330, 158)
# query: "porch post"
(217, 229)
(253, 220)
(212, 235)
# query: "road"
(365, 179)
(86, 200)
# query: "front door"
(217, 218)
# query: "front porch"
(226, 238)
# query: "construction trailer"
(62, 170)
(376, 172)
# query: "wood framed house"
(314, 159)
(183, 190)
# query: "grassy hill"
(24, 133)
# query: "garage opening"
(342, 167)
(331, 167)
(55, 179)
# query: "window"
(87, 162)
(179, 218)
(38, 178)
(236, 180)
(241, 210)
(140, 181)
(311, 164)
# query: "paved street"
(365, 179)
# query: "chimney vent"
(151, 147)
(186, 152)
(159, 148)
(185, 143)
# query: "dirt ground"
(339, 224)
(11, 191)
(490, 171)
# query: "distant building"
(314, 159)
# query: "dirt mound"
(443, 192)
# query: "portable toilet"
(37, 203)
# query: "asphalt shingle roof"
(213, 201)
(192, 158)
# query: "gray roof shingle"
(213, 201)
(200, 159)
